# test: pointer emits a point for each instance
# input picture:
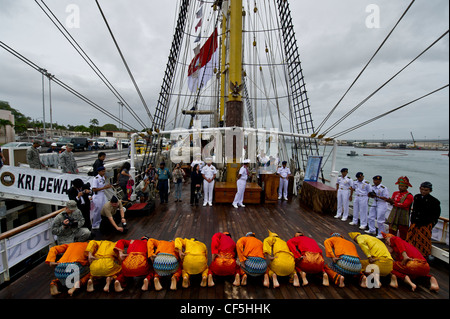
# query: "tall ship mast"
(237, 64)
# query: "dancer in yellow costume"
(103, 261)
(282, 262)
(377, 254)
(195, 260)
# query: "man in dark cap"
(378, 208)
(425, 214)
(113, 214)
(344, 189)
(361, 188)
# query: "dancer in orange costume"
(345, 258)
(73, 259)
(166, 261)
(251, 258)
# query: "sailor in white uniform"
(284, 173)
(197, 160)
(241, 183)
(209, 174)
(99, 199)
(379, 207)
(344, 194)
(361, 188)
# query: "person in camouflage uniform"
(68, 225)
(33, 158)
(67, 160)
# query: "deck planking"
(172, 220)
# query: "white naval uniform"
(99, 200)
(241, 183)
(208, 188)
(361, 202)
(377, 211)
(284, 182)
(343, 196)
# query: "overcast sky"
(334, 40)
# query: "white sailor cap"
(246, 161)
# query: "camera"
(72, 221)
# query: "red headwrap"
(403, 180)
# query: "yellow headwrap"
(272, 234)
(353, 235)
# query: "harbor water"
(417, 165)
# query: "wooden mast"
(234, 115)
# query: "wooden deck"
(182, 220)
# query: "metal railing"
(21, 242)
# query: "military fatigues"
(68, 163)
(344, 184)
(33, 158)
(360, 202)
(378, 209)
(70, 234)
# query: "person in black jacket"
(425, 213)
(98, 163)
(80, 193)
(196, 184)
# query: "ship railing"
(20, 243)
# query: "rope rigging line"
(125, 63)
(63, 85)
(88, 60)
(386, 113)
(362, 71)
(385, 83)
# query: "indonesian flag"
(201, 68)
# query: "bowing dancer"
(99, 198)
(104, 263)
(223, 251)
(73, 260)
(241, 184)
(251, 258)
(134, 262)
(166, 261)
(409, 263)
(377, 254)
(308, 257)
(194, 256)
(280, 260)
(284, 172)
(345, 260)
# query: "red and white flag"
(201, 68)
